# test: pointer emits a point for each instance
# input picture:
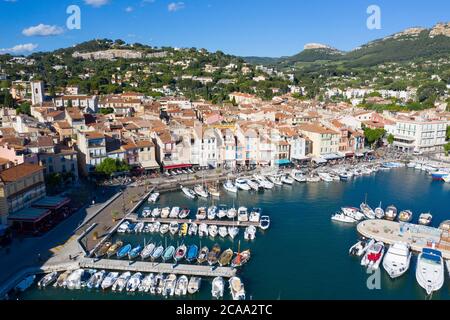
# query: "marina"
(305, 218)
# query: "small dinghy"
(217, 288)
(194, 285)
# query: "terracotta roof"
(316, 128)
(19, 172)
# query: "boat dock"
(226, 223)
(155, 267)
(417, 236)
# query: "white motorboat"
(232, 213)
(255, 215)
(62, 279)
(156, 212)
(379, 212)
(222, 211)
(109, 280)
(174, 227)
(139, 227)
(193, 229)
(96, 280)
(264, 222)
(276, 180)
(164, 229)
(212, 212)
(73, 281)
(48, 279)
(250, 233)
(237, 288)
(391, 213)
(430, 270)
(313, 178)
(146, 212)
(373, 256)
(213, 231)
(165, 212)
(230, 186)
(242, 184)
(182, 286)
(203, 230)
(264, 183)
(223, 232)
(154, 197)
(158, 287)
(200, 191)
(340, 217)
(184, 213)
(397, 259)
(425, 219)
(194, 285)
(155, 227)
(287, 180)
(217, 288)
(174, 213)
(147, 283)
(361, 247)
(169, 285)
(147, 251)
(233, 232)
(353, 213)
(134, 282)
(124, 227)
(201, 213)
(189, 192)
(298, 176)
(325, 177)
(242, 214)
(367, 211)
(121, 282)
(253, 185)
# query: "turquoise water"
(304, 255)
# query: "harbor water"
(304, 255)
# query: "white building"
(420, 136)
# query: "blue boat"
(439, 175)
(135, 252)
(192, 253)
(124, 251)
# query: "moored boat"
(192, 253)
(397, 259)
(430, 270)
(230, 186)
(194, 285)
(201, 213)
(425, 219)
(189, 193)
(48, 279)
(340, 217)
(405, 216)
(391, 213)
(168, 253)
(241, 259)
(373, 256)
(217, 288)
(180, 253)
(237, 288)
(203, 255)
(109, 280)
(361, 247)
(225, 257)
(213, 255)
(153, 197)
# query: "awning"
(319, 160)
(332, 156)
(177, 166)
(282, 162)
(52, 203)
(148, 165)
(29, 215)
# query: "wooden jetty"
(417, 236)
(226, 223)
(155, 267)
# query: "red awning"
(177, 166)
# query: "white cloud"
(175, 6)
(42, 30)
(20, 48)
(96, 3)
(129, 9)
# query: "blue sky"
(241, 27)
